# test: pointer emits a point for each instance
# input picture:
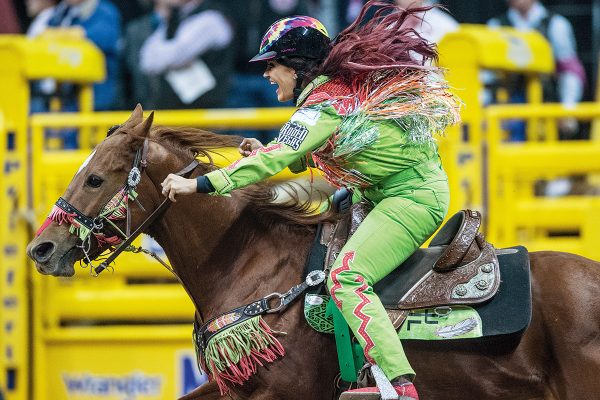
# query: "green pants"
(409, 207)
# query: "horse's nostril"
(43, 251)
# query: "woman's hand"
(248, 145)
(175, 184)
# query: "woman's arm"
(307, 130)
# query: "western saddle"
(458, 267)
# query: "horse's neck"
(225, 257)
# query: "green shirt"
(308, 130)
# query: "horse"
(230, 251)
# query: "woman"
(368, 107)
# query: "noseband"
(117, 208)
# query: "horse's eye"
(94, 181)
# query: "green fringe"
(233, 355)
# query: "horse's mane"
(193, 142)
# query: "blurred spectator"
(132, 9)
(250, 89)
(570, 75)
(568, 85)
(347, 11)
(335, 14)
(190, 52)
(9, 23)
(41, 8)
(137, 86)
(325, 11)
(434, 24)
(101, 23)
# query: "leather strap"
(151, 218)
(456, 250)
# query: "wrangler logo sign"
(126, 387)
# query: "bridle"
(117, 208)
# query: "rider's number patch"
(292, 134)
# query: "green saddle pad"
(457, 322)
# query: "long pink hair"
(387, 41)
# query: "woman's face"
(282, 76)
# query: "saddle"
(449, 292)
(458, 267)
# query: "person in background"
(250, 89)
(432, 25)
(39, 11)
(568, 85)
(9, 22)
(135, 85)
(132, 9)
(190, 52)
(348, 10)
(101, 22)
(326, 12)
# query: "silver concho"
(482, 285)
(135, 176)
(487, 268)
(460, 290)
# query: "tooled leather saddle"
(458, 268)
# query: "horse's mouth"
(63, 266)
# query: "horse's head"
(101, 203)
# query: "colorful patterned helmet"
(298, 36)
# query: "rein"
(126, 245)
(117, 208)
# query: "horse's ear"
(135, 118)
(143, 128)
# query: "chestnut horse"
(230, 251)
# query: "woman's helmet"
(298, 36)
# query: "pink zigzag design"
(349, 256)
(365, 319)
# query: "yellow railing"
(95, 125)
(516, 214)
(14, 289)
(93, 128)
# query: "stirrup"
(383, 391)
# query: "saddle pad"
(510, 310)
(461, 322)
(507, 313)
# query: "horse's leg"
(208, 391)
(568, 286)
